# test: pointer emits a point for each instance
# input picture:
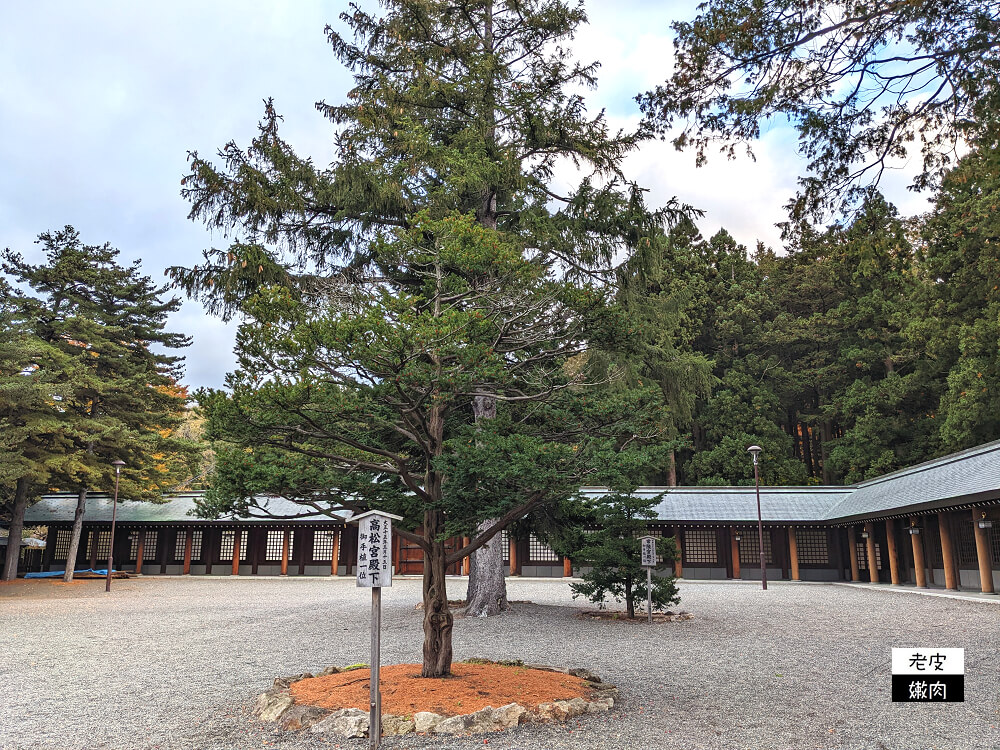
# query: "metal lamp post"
(755, 451)
(114, 516)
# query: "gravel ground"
(176, 663)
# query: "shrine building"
(927, 525)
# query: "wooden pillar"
(793, 553)
(254, 547)
(351, 545)
(735, 546)
(679, 561)
(50, 548)
(236, 552)
(905, 552)
(140, 551)
(467, 560)
(94, 536)
(208, 537)
(928, 560)
(335, 555)
(947, 552)
(890, 539)
(397, 555)
(301, 549)
(872, 560)
(779, 548)
(918, 556)
(161, 548)
(852, 551)
(285, 542)
(188, 541)
(983, 554)
(567, 568)
(515, 566)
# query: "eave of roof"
(966, 477)
(61, 507)
(739, 504)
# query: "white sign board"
(928, 675)
(928, 661)
(648, 544)
(374, 551)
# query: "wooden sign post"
(648, 547)
(374, 572)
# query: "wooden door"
(410, 558)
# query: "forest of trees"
(856, 350)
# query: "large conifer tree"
(120, 399)
(36, 440)
(444, 260)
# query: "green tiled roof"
(60, 507)
(968, 476)
(971, 475)
(733, 504)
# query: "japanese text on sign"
(374, 551)
(648, 545)
(928, 675)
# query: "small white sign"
(648, 546)
(928, 661)
(374, 551)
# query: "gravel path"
(176, 663)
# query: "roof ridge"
(933, 463)
(740, 487)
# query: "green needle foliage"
(37, 440)
(960, 255)
(612, 551)
(110, 321)
(435, 268)
(863, 83)
(87, 376)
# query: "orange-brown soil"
(56, 581)
(470, 688)
(47, 588)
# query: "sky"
(101, 102)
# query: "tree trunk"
(16, 526)
(793, 430)
(629, 604)
(487, 586)
(487, 591)
(74, 539)
(672, 471)
(807, 450)
(438, 620)
(826, 434)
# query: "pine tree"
(108, 323)
(461, 113)
(611, 550)
(960, 265)
(862, 83)
(37, 438)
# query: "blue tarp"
(60, 573)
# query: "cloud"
(100, 103)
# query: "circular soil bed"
(480, 696)
(470, 688)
